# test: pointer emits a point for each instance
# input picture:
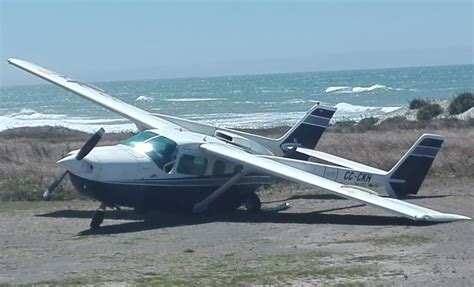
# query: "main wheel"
(97, 219)
(253, 203)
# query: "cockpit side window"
(162, 152)
(193, 165)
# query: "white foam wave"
(144, 99)
(31, 118)
(346, 111)
(353, 90)
(295, 101)
(337, 88)
(193, 99)
(250, 120)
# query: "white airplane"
(177, 164)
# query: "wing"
(271, 167)
(136, 115)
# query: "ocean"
(253, 101)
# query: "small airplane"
(177, 164)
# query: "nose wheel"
(253, 203)
(98, 217)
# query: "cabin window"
(219, 168)
(194, 165)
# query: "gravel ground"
(319, 240)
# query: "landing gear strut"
(98, 216)
(253, 203)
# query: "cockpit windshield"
(159, 148)
(138, 138)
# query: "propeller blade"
(90, 144)
(52, 188)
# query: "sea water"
(252, 101)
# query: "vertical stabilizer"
(307, 132)
(408, 174)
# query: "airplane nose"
(78, 167)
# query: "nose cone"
(78, 167)
(71, 164)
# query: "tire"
(253, 203)
(97, 219)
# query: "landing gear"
(98, 216)
(253, 203)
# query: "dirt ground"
(319, 240)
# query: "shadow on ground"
(155, 220)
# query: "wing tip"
(444, 217)
(13, 61)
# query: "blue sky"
(118, 40)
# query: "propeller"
(90, 144)
(83, 152)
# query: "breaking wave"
(353, 90)
(32, 118)
(144, 99)
(346, 111)
(193, 99)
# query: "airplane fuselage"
(154, 171)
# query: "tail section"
(307, 132)
(408, 174)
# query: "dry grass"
(28, 155)
(383, 149)
(28, 160)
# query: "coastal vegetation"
(428, 112)
(461, 103)
(417, 103)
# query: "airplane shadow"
(155, 220)
(425, 196)
(324, 196)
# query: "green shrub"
(461, 103)
(428, 112)
(417, 104)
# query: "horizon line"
(250, 75)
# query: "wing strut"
(204, 204)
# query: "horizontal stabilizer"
(340, 161)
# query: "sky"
(130, 40)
